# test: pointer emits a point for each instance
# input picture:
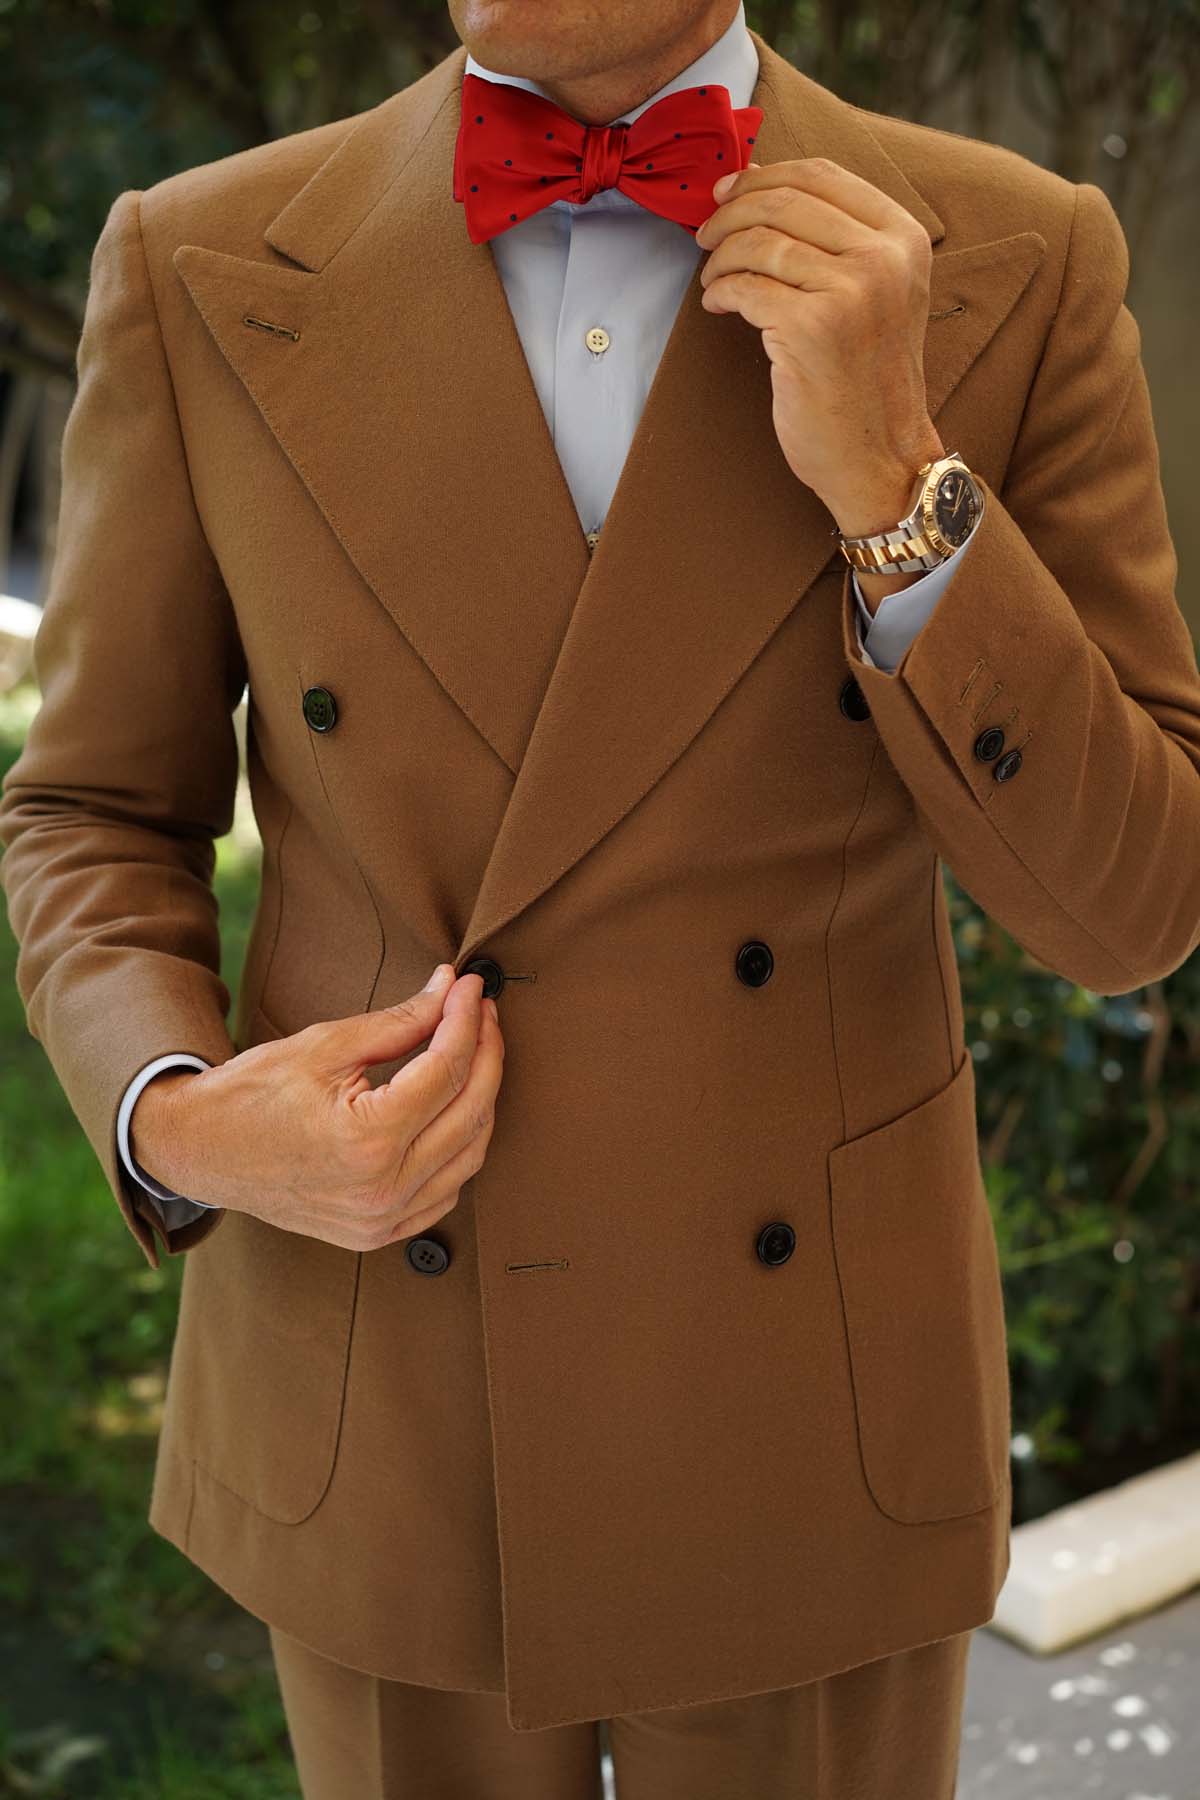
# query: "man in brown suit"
(662, 1382)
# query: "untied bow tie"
(517, 152)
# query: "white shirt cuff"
(883, 638)
(176, 1209)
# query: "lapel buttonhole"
(265, 325)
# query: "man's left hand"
(835, 273)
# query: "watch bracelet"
(861, 552)
(862, 558)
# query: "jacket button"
(319, 708)
(775, 1244)
(1007, 767)
(853, 701)
(989, 744)
(427, 1255)
(754, 963)
(490, 970)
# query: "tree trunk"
(52, 417)
(16, 430)
(990, 69)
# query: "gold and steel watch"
(946, 504)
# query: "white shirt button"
(597, 340)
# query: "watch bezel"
(928, 498)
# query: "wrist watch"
(946, 504)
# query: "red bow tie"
(517, 152)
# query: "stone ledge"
(1079, 1569)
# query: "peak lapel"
(710, 541)
(406, 407)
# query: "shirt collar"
(731, 62)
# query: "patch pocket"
(258, 1372)
(923, 1305)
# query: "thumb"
(381, 1036)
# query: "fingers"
(463, 1128)
(818, 175)
(439, 1195)
(809, 218)
(430, 1082)
(347, 1046)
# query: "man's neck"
(598, 99)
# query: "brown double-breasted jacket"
(610, 1459)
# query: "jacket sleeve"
(108, 817)
(1062, 630)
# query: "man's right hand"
(292, 1131)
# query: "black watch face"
(955, 505)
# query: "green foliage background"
(1089, 1117)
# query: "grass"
(128, 1675)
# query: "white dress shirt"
(566, 269)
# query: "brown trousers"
(887, 1730)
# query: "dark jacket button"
(319, 708)
(989, 744)
(1007, 767)
(490, 970)
(853, 701)
(754, 963)
(427, 1255)
(775, 1244)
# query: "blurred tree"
(1089, 1121)
(1122, 79)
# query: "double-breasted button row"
(752, 964)
(988, 746)
(428, 1255)
(320, 708)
